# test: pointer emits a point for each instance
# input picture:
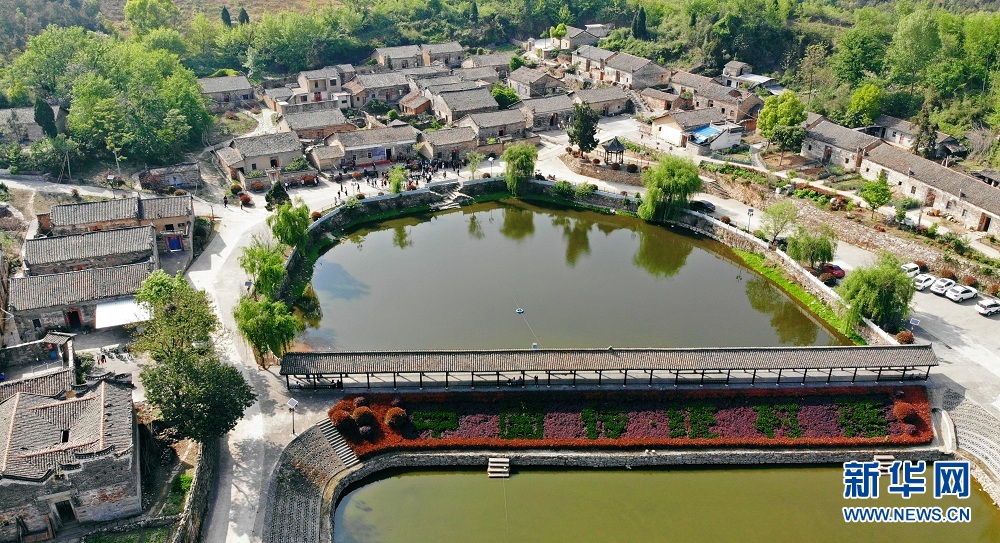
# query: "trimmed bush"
(905, 337)
(905, 412)
(970, 281)
(364, 416)
(828, 279)
(948, 273)
(615, 166)
(486, 175)
(315, 215)
(726, 220)
(993, 289)
(343, 421)
(235, 189)
(360, 196)
(246, 200)
(632, 168)
(596, 162)
(396, 418)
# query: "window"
(65, 436)
(315, 84)
(913, 190)
(867, 170)
(847, 160)
(169, 227)
(810, 147)
(274, 162)
(965, 212)
(333, 82)
(369, 154)
(253, 166)
(181, 225)
(37, 323)
(949, 204)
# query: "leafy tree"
(915, 42)
(504, 95)
(45, 117)
(783, 110)
(4, 103)
(289, 223)
(264, 263)
(474, 159)
(669, 186)
(143, 16)
(866, 104)
(520, 165)
(583, 134)
(876, 193)
(925, 142)
(167, 39)
(639, 29)
(267, 325)
(397, 179)
(515, 62)
(557, 32)
(201, 398)
(44, 65)
(181, 322)
(474, 12)
(860, 50)
(244, 17)
(777, 218)
(813, 64)
(813, 246)
(276, 196)
(881, 293)
(226, 18)
(787, 138)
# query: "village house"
(228, 91)
(321, 85)
(449, 81)
(736, 104)
(414, 103)
(277, 99)
(902, 133)
(679, 127)
(365, 147)
(389, 87)
(453, 105)
(659, 100)
(485, 74)
(736, 74)
(71, 300)
(494, 126)
(451, 144)
(17, 125)
(634, 72)
(449, 54)
(98, 249)
(266, 151)
(181, 176)
(500, 62)
(404, 56)
(833, 144)
(315, 125)
(604, 100)
(548, 113)
(531, 83)
(575, 37)
(590, 61)
(69, 456)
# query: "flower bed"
(813, 417)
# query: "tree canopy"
(520, 165)
(268, 325)
(876, 193)
(182, 319)
(290, 222)
(814, 246)
(583, 133)
(397, 179)
(264, 264)
(783, 110)
(144, 16)
(669, 186)
(504, 95)
(881, 292)
(777, 218)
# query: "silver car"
(942, 285)
(924, 280)
(910, 269)
(988, 306)
(961, 293)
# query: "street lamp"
(292, 402)
(491, 166)
(749, 216)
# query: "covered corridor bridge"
(611, 366)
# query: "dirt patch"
(790, 162)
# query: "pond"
(454, 280)
(776, 505)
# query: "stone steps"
(498, 468)
(340, 446)
(884, 462)
(978, 433)
(640, 106)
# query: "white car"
(960, 293)
(924, 280)
(988, 306)
(942, 285)
(911, 269)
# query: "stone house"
(98, 249)
(736, 74)
(366, 147)
(414, 103)
(675, 127)
(389, 87)
(227, 92)
(17, 125)
(485, 74)
(590, 61)
(548, 113)
(454, 105)
(634, 72)
(494, 126)
(449, 54)
(451, 144)
(70, 300)
(604, 100)
(315, 125)
(404, 56)
(500, 62)
(902, 133)
(181, 176)
(736, 104)
(833, 144)
(531, 83)
(323, 84)
(266, 151)
(659, 100)
(575, 37)
(69, 456)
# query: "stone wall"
(603, 173)
(27, 354)
(51, 318)
(498, 148)
(196, 504)
(104, 261)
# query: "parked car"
(988, 306)
(942, 285)
(833, 270)
(924, 280)
(911, 269)
(703, 205)
(961, 293)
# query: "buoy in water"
(519, 311)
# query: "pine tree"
(926, 141)
(474, 12)
(226, 19)
(45, 118)
(244, 18)
(3, 100)
(639, 31)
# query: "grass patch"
(179, 488)
(150, 535)
(758, 263)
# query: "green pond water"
(774, 505)
(453, 280)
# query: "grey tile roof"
(229, 83)
(657, 94)
(279, 93)
(94, 212)
(472, 74)
(376, 136)
(572, 32)
(906, 127)
(229, 155)
(976, 192)
(490, 60)
(627, 63)
(186, 167)
(459, 85)
(267, 144)
(440, 48)
(688, 79)
(593, 53)
(696, 117)
(322, 73)
(299, 363)
(381, 80)
(90, 245)
(51, 384)
(437, 80)
(467, 100)
(603, 94)
(549, 104)
(315, 119)
(496, 118)
(402, 51)
(839, 136)
(421, 72)
(32, 447)
(62, 289)
(527, 75)
(706, 86)
(413, 100)
(165, 207)
(450, 136)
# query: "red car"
(834, 270)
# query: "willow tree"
(397, 179)
(267, 325)
(669, 186)
(520, 165)
(882, 293)
(290, 222)
(264, 263)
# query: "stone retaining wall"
(196, 504)
(603, 173)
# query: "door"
(65, 511)
(73, 319)
(388, 154)
(553, 120)
(317, 97)
(826, 155)
(984, 223)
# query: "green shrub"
(676, 422)
(585, 190)
(772, 417)
(437, 421)
(563, 189)
(296, 165)
(861, 418)
(521, 422)
(702, 419)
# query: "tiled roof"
(608, 359)
(166, 207)
(402, 51)
(603, 94)
(906, 127)
(496, 118)
(90, 245)
(61, 289)
(706, 86)
(472, 74)
(229, 83)
(696, 117)
(229, 155)
(413, 100)
(528, 75)
(467, 100)
(549, 104)
(975, 192)
(377, 136)
(450, 136)
(51, 384)
(420, 72)
(267, 144)
(657, 94)
(315, 119)
(593, 53)
(279, 93)
(688, 79)
(186, 167)
(438, 80)
(839, 136)
(34, 441)
(439, 48)
(572, 32)
(627, 63)
(26, 118)
(322, 73)
(459, 85)
(489, 60)
(94, 212)
(381, 80)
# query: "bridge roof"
(762, 358)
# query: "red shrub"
(948, 273)
(632, 168)
(316, 215)
(970, 281)
(905, 337)
(364, 416)
(615, 166)
(993, 289)
(922, 264)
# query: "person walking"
(225, 201)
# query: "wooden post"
(600, 374)
(446, 380)
(779, 377)
(728, 373)
(421, 379)
(625, 379)
(368, 380)
(754, 379)
(498, 379)
(829, 375)
(879, 376)
(574, 377)
(804, 373)
(650, 378)
(855, 375)
(394, 380)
